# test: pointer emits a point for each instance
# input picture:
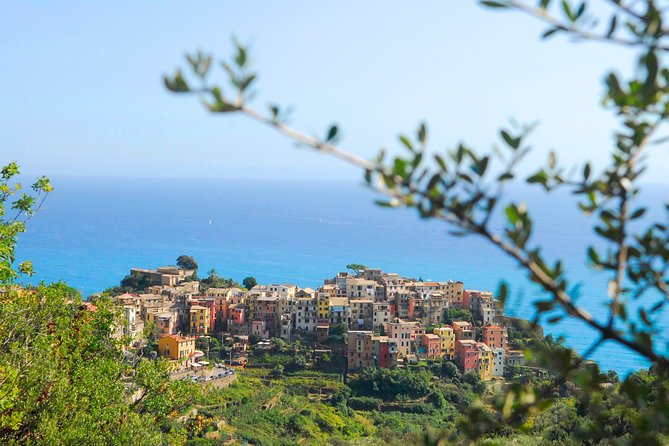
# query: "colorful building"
(485, 362)
(323, 308)
(362, 314)
(176, 347)
(466, 355)
(463, 330)
(447, 338)
(405, 334)
(359, 349)
(432, 346)
(365, 349)
(199, 319)
(494, 336)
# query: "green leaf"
(510, 141)
(540, 177)
(567, 10)
(548, 33)
(503, 292)
(544, 305)
(505, 176)
(493, 4)
(387, 203)
(406, 142)
(332, 133)
(441, 162)
(422, 133)
(612, 26)
(638, 213)
(512, 214)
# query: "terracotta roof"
(176, 337)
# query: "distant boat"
(209, 222)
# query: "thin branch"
(626, 9)
(580, 33)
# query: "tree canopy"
(186, 262)
(356, 267)
(249, 282)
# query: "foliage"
(457, 314)
(133, 283)
(249, 282)
(16, 208)
(213, 280)
(389, 384)
(64, 378)
(186, 262)
(338, 329)
(356, 267)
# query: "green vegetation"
(64, 378)
(132, 283)
(213, 280)
(457, 314)
(249, 282)
(393, 407)
(356, 267)
(186, 262)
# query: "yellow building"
(323, 307)
(176, 347)
(486, 362)
(199, 319)
(447, 337)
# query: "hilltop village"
(390, 320)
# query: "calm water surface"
(92, 231)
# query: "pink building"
(494, 336)
(237, 313)
(466, 355)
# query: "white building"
(498, 361)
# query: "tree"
(135, 282)
(356, 267)
(215, 281)
(186, 262)
(467, 189)
(277, 371)
(64, 377)
(254, 339)
(449, 369)
(249, 282)
(14, 214)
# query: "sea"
(91, 231)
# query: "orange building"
(176, 347)
(432, 344)
(463, 330)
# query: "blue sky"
(82, 92)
